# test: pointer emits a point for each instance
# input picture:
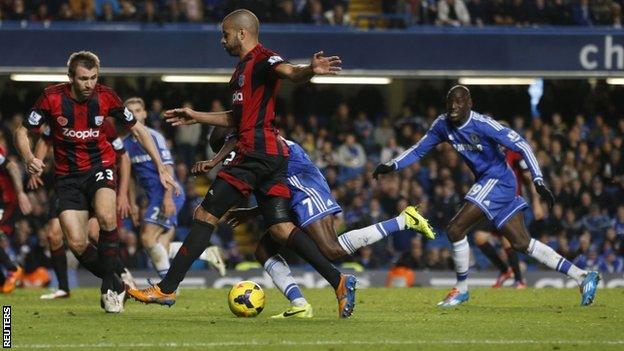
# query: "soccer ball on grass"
(246, 299)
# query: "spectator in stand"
(128, 12)
(351, 158)
(107, 14)
(337, 16)
(453, 12)
(414, 257)
(390, 151)
(478, 12)
(19, 12)
(582, 14)
(42, 14)
(285, 12)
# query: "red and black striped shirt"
(78, 136)
(254, 87)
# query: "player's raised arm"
(319, 65)
(187, 116)
(414, 153)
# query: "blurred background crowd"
(360, 13)
(577, 138)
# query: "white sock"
(461, 257)
(174, 246)
(549, 257)
(355, 239)
(160, 258)
(279, 271)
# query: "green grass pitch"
(384, 319)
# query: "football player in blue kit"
(160, 219)
(493, 196)
(312, 206)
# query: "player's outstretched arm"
(22, 144)
(141, 133)
(319, 65)
(186, 116)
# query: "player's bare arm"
(205, 166)
(34, 165)
(41, 150)
(168, 206)
(237, 216)
(141, 133)
(123, 204)
(319, 65)
(16, 177)
(187, 116)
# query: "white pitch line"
(322, 343)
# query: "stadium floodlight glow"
(496, 81)
(615, 81)
(18, 77)
(195, 79)
(351, 80)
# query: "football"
(246, 299)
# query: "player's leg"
(91, 250)
(15, 273)
(112, 288)
(482, 238)
(277, 268)
(220, 198)
(514, 263)
(516, 232)
(468, 216)
(155, 250)
(355, 239)
(275, 211)
(58, 257)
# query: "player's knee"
(77, 245)
(281, 231)
(520, 244)
(107, 221)
(55, 238)
(332, 251)
(454, 232)
(480, 237)
(148, 240)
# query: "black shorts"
(77, 191)
(258, 174)
(262, 176)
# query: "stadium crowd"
(579, 148)
(393, 13)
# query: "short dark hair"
(84, 58)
